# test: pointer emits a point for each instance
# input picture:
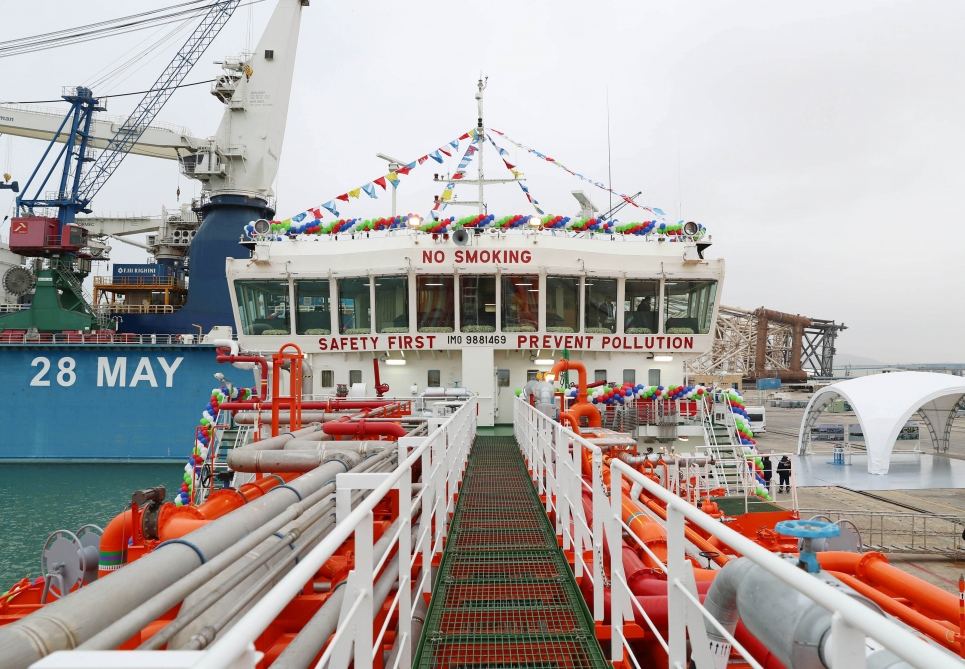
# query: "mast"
(481, 136)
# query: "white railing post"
(558, 492)
(404, 627)
(441, 501)
(619, 596)
(579, 512)
(357, 607)
(599, 510)
(425, 519)
(846, 646)
(676, 601)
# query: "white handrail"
(449, 444)
(540, 440)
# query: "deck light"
(549, 377)
(535, 221)
(415, 221)
(395, 361)
(663, 358)
(544, 362)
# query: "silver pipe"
(793, 627)
(129, 625)
(307, 457)
(301, 650)
(274, 443)
(68, 622)
(234, 601)
(234, 584)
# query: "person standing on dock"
(784, 474)
(768, 469)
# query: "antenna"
(609, 155)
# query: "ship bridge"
(480, 309)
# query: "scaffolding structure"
(763, 343)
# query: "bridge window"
(263, 306)
(641, 306)
(601, 304)
(477, 303)
(391, 304)
(354, 306)
(630, 376)
(562, 303)
(599, 375)
(520, 295)
(328, 378)
(313, 314)
(689, 306)
(354, 376)
(435, 295)
(434, 378)
(653, 377)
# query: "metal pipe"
(233, 587)
(127, 626)
(324, 405)
(312, 637)
(68, 622)
(793, 627)
(249, 417)
(304, 459)
(363, 427)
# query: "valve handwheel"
(807, 531)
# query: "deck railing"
(555, 453)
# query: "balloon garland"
(619, 394)
(279, 230)
(204, 433)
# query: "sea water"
(37, 499)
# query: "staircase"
(82, 300)
(227, 436)
(722, 444)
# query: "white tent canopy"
(883, 404)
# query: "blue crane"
(59, 304)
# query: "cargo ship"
(98, 345)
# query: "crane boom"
(149, 106)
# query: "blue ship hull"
(109, 402)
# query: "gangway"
(505, 595)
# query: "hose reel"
(69, 560)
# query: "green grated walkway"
(504, 595)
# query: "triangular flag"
(381, 182)
(404, 170)
(411, 165)
(436, 156)
(443, 150)
(458, 175)
(454, 143)
(331, 207)
(355, 192)
(298, 218)
(464, 135)
(393, 178)
(509, 165)
(369, 190)
(471, 150)
(316, 212)
(423, 159)
(447, 195)
(343, 197)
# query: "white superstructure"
(485, 315)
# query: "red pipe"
(380, 388)
(361, 428)
(564, 365)
(327, 405)
(257, 359)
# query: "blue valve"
(806, 531)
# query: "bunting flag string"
(443, 200)
(311, 218)
(554, 161)
(512, 169)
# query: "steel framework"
(764, 343)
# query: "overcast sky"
(822, 144)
